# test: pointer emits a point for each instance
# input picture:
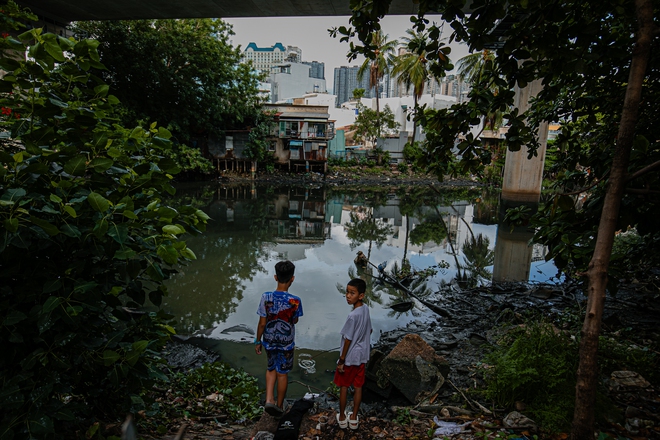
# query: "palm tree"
(379, 65)
(411, 68)
(471, 69)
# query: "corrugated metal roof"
(304, 115)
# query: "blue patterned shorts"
(280, 360)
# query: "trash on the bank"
(306, 362)
(448, 428)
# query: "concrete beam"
(79, 10)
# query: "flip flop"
(273, 410)
(353, 424)
(343, 424)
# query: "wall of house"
(292, 80)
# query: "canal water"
(451, 234)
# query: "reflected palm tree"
(477, 257)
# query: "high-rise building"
(316, 69)
(346, 81)
(263, 58)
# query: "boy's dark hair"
(284, 271)
(359, 284)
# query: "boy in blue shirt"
(279, 312)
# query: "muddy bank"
(463, 338)
(345, 177)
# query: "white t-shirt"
(357, 329)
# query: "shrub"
(238, 392)
(86, 239)
(535, 364)
(189, 159)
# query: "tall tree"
(471, 68)
(600, 78)
(184, 74)
(410, 68)
(378, 63)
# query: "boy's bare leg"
(343, 396)
(282, 384)
(357, 399)
(271, 378)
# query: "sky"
(311, 35)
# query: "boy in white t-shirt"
(354, 353)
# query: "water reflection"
(451, 235)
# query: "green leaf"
(41, 425)
(168, 254)
(71, 231)
(11, 224)
(110, 357)
(52, 286)
(167, 212)
(51, 303)
(202, 215)
(124, 254)
(54, 198)
(188, 253)
(130, 214)
(14, 317)
(48, 227)
(119, 232)
(69, 210)
(98, 202)
(173, 229)
(101, 164)
(140, 346)
(155, 272)
(76, 166)
(12, 195)
(101, 228)
(102, 90)
(54, 50)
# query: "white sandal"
(353, 424)
(343, 424)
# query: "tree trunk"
(412, 142)
(377, 113)
(585, 392)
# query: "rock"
(413, 368)
(238, 328)
(186, 356)
(375, 358)
(515, 420)
(635, 425)
(620, 380)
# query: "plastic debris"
(448, 428)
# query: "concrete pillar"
(523, 177)
(513, 250)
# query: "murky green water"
(321, 230)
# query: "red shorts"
(352, 375)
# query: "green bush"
(86, 239)
(402, 167)
(189, 159)
(238, 392)
(535, 364)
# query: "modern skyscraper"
(316, 69)
(346, 81)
